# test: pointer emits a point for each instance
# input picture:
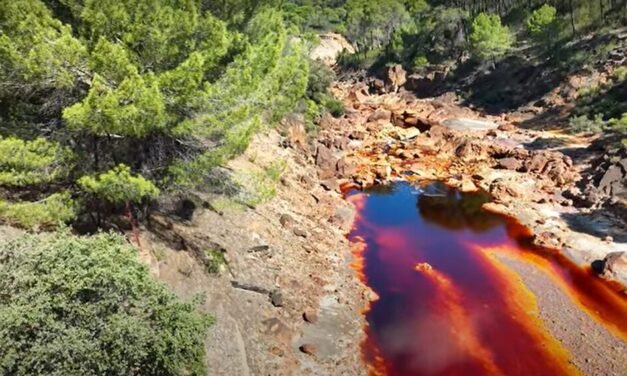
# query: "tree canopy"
(489, 38)
(164, 87)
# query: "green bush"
(420, 62)
(312, 115)
(335, 107)
(620, 74)
(87, 306)
(47, 213)
(25, 163)
(320, 78)
(583, 123)
(118, 186)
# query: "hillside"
(313, 187)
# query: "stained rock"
(310, 316)
(510, 164)
(308, 349)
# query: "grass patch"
(216, 262)
(258, 187)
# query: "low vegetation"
(87, 306)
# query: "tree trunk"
(572, 16)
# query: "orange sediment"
(601, 300)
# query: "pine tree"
(489, 39)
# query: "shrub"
(25, 163)
(118, 186)
(258, 187)
(320, 78)
(335, 107)
(87, 306)
(583, 123)
(620, 74)
(312, 115)
(49, 212)
(420, 62)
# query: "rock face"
(613, 180)
(330, 47)
(608, 180)
(326, 162)
(395, 77)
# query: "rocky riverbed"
(288, 300)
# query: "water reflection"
(445, 307)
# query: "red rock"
(310, 316)
(509, 164)
(308, 349)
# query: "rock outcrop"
(330, 47)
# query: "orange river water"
(446, 305)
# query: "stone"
(467, 186)
(341, 143)
(612, 180)
(509, 164)
(330, 184)
(395, 77)
(537, 163)
(501, 191)
(277, 351)
(286, 220)
(357, 135)
(343, 169)
(276, 298)
(343, 217)
(310, 316)
(309, 349)
(613, 263)
(507, 127)
(300, 232)
(383, 172)
(380, 115)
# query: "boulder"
(509, 164)
(395, 77)
(613, 264)
(380, 115)
(308, 349)
(613, 181)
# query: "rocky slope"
(287, 301)
(530, 173)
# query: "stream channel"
(447, 303)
